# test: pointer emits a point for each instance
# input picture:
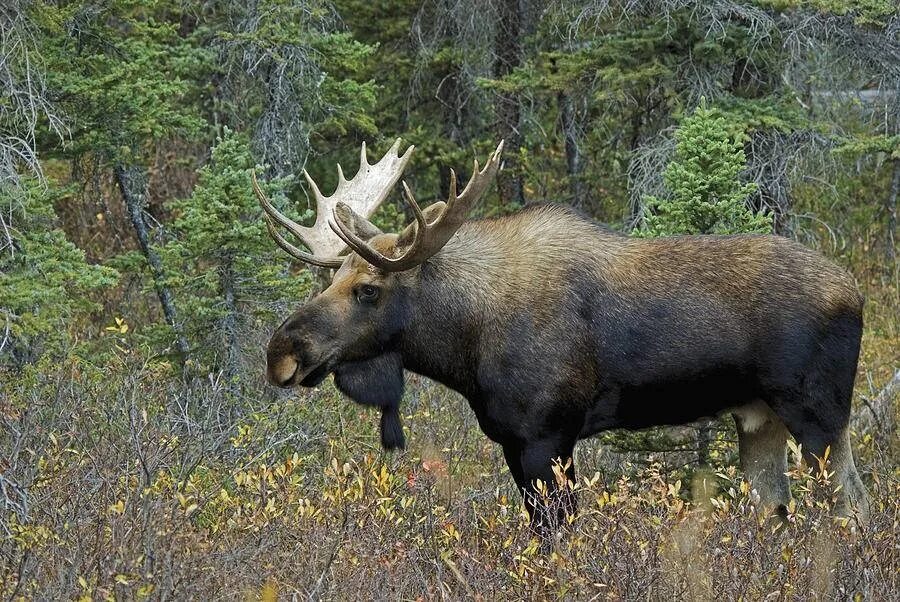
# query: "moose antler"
(431, 236)
(364, 193)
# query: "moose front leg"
(547, 508)
(513, 454)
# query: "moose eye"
(367, 293)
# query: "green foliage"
(287, 73)
(864, 12)
(46, 286)
(863, 145)
(350, 103)
(222, 215)
(220, 242)
(705, 193)
(775, 113)
(123, 72)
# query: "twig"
(5, 333)
(339, 540)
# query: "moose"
(555, 328)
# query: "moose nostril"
(278, 347)
(282, 371)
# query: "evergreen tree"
(705, 192)
(139, 76)
(46, 284)
(287, 71)
(123, 72)
(221, 260)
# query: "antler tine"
(480, 179)
(417, 211)
(459, 205)
(453, 192)
(317, 194)
(364, 193)
(429, 238)
(304, 234)
(303, 256)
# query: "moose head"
(352, 329)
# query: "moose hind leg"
(814, 439)
(816, 411)
(852, 497)
(762, 442)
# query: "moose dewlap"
(555, 328)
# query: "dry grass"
(120, 481)
(135, 486)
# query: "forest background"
(142, 455)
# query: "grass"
(121, 482)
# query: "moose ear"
(377, 382)
(431, 212)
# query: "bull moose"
(555, 328)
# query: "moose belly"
(675, 399)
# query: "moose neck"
(442, 338)
(492, 277)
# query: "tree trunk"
(508, 55)
(891, 206)
(229, 323)
(132, 182)
(573, 153)
(452, 97)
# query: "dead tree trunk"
(573, 152)
(891, 207)
(229, 323)
(452, 95)
(508, 55)
(132, 182)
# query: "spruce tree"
(46, 284)
(706, 195)
(221, 260)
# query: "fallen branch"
(879, 415)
